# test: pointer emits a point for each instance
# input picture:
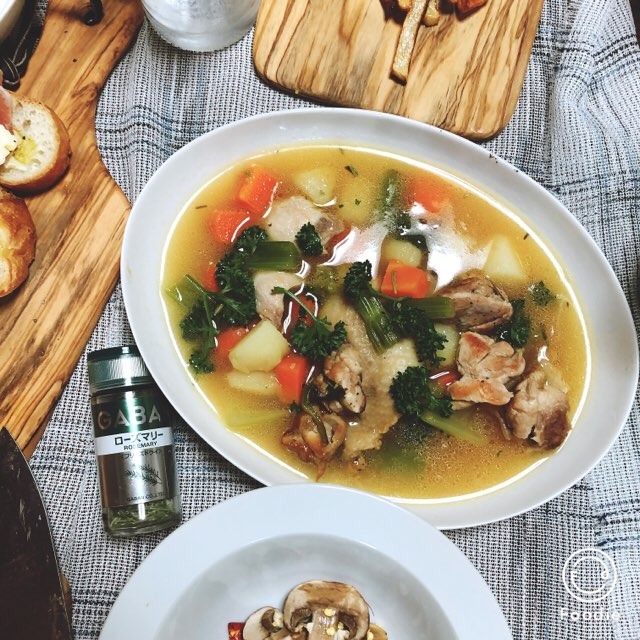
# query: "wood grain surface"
(465, 75)
(46, 323)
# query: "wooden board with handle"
(45, 324)
(465, 75)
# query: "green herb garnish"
(540, 294)
(517, 330)
(309, 241)
(317, 340)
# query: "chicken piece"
(539, 410)
(288, 216)
(479, 305)
(342, 369)
(482, 357)
(468, 391)
(486, 367)
(378, 370)
(357, 358)
(270, 306)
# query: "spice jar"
(133, 430)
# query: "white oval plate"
(613, 339)
(250, 551)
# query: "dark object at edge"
(32, 602)
(95, 13)
(18, 47)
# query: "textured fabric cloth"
(576, 130)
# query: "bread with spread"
(17, 241)
(34, 145)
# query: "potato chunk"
(260, 350)
(503, 263)
(317, 184)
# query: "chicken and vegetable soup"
(372, 321)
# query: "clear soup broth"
(464, 231)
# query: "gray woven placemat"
(576, 130)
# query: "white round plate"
(9, 13)
(614, 346)
(250, 551)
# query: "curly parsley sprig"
(317, 340)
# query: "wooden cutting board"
(465, 76)
(45, 324)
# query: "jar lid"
(116, 367)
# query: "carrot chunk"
(292, 373)
(256, 190)
(401, 281)
(336, 240)
(427, 192)
(293, 313)
(209, 280)
(444, 378)
(226, 340)
(226, 224)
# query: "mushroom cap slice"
(263, 624)
(317, 595)
(376, 633)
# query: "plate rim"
(457, 590)
(460, 150)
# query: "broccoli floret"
(413, 394)
(518, 328)
(357, 282)
(414, 323)
(309, 241)
(418, 398)
(248, 240)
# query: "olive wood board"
(465, 76)
(46, 323)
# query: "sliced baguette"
(17, 241)
(43, 152)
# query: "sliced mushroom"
(335, 431)
(265, 624)
(376, 633)
(327, 610)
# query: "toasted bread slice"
(17, 241)
(43, 151)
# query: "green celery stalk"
(435, 307)
(186, 292)
(377, 322)
(455, 425)
(275, 255)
